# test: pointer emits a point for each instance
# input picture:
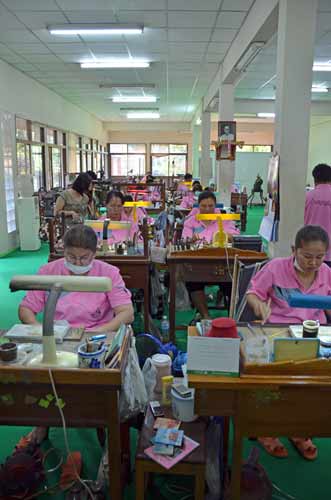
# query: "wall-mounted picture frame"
(227, 135)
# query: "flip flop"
(273, 446)
(305, 447)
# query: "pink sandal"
(305, 447)
(273, 446)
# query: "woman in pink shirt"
(203, 230)
(102, 312)
(115, 212)
(268, 294)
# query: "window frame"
(127, 154)
(170, 155)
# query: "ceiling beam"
(260, 26)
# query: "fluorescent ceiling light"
(153, 115)
(315, 88)
(322, 66)
(127, 86)
(96, 29)
(138, 98)
(115, 63)
(249, 55)
(266, 115)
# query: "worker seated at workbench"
(127, 213)
(190, 197)
(94, 311)
(303, 272)
(204, 231)
(115, 213)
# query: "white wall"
(319, 144)
(24, 97)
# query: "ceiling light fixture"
(115, 63)
(137, 115)
(138, 98)
(127, 86)
(96, 29)
(248, 56)
(322, 66)
(316, 88)
(266, 115)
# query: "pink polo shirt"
(120, 235)
(141, 214)
(88, 309)
(318, 209)
(205, 231)
(188, 200)
(277, 279)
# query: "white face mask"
(296, 265)
(77, 269)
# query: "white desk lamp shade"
(56, 285)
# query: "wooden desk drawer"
(204, 273)
(221, 403)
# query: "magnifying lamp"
(220, 238)
(103, 226)
(56, 285)
(135, 205)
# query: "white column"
(295, 53)
(205, 162)
(196, 130)
(225, 169)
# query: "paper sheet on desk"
(213, 356)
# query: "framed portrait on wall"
(227, 134)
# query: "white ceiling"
(185, 40)
(254, 84)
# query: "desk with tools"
(90, 398)
(207, 265)
(274, 399)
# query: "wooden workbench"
(212, 266)
(267, 404)
(90, 397)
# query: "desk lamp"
(102, 227)
(135, 205)
(56, 285)
(220, 238)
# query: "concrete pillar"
(295, 53)
(225, 169)
(196, 131)
(205, 161)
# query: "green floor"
(304, 480)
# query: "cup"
(93, 359)
(310, 329)
(8, 351)
(223, 327)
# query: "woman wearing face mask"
(73, 203)
(303, 272)
(95, 311)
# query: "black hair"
(311, 233)
(114, 194)
(82, 183)
(128, 197)
(322, 173)
(205, 195)
(80, 236)
(197, 183)
(92, 174)
(187, 177)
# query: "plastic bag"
(183, 302)
(133, 397)
(150, 374)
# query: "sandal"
(305, 447)
(273, 446)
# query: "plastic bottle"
(165, 329)
(166, 390)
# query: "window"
(254, 148)
(21, 129)
(8, 170)
(56, 166)
(50, 136)
(168, 159)
(23, 158)
(37, 166)
(127, 159)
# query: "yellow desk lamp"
(102, 227)
(220, 238)
(56, 285)
(135, 205)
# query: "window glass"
(118, 148)
(21, 129)
(56, 167)
(23, 158)
(50, 136)
(37, 161)
(178, 148)
(36, 132)
(159, 148)
(136, 165)
(119, 164)
(160, 165)
(137, 148)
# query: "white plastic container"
(183, 408)
(162, 363)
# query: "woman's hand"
(261, 309)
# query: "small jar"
(162, 363)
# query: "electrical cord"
(64, 427)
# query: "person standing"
(318, 202)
